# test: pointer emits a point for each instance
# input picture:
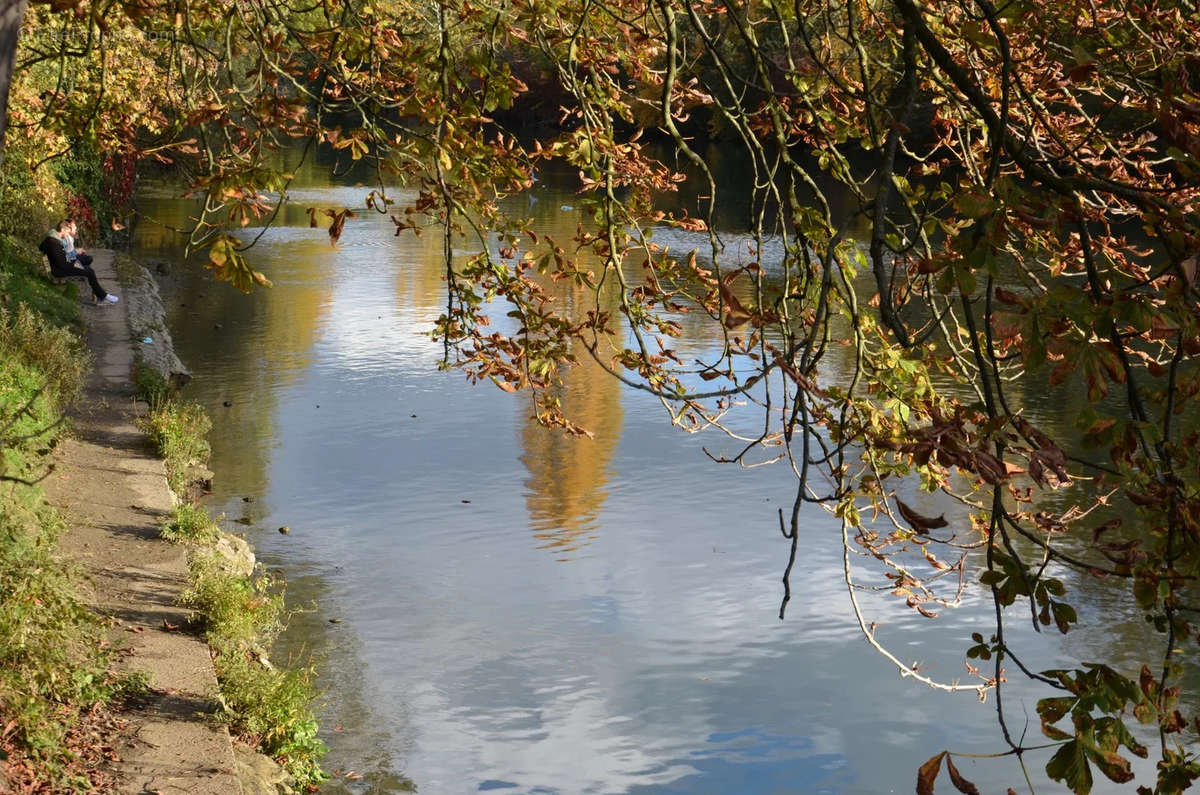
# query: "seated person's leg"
(90, 275)
(85, 260)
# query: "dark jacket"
(52, 247)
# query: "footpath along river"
(493, 606)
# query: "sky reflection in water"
(522, 612)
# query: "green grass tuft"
(177, 431)
(190, 522)
(150, 386)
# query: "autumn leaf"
(928, 773)
(735, 314)
(956, 778)
(920, 523)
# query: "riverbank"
(112, 490)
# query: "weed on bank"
(268, 706)
(240, 615)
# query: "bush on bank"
(269, 707)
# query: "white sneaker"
(112, 299)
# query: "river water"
(493, 606)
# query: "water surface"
(522, 612)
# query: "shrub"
(54, 352)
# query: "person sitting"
(53, 248)
(68, 241)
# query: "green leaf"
(1052, 710)
(992, 577)
(974, 205)
(1069, 765)
(1064, 616)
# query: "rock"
(285, 530)
(234, 555)
(148, 317)
(260, 775)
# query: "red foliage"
(118, 180)
(79, 208)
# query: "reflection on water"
(524, 612)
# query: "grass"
(52, 665)
(150, 385)
(53, 668)
(177, 431)
(190, 523)
(23, 281)
(127, 269)
(269, 707)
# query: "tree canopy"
(952, 205)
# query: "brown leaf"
(921, 524)
(339, 222)
(960, 783)
(735, 314)
(1111, 524)
(933, 561)
(1007, 296)
(928, 772)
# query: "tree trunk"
(11, 14)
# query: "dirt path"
(112, 491)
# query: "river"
(494, 606)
